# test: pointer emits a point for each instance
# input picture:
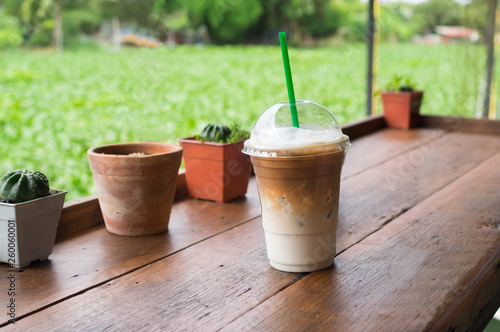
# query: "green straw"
(288, 76)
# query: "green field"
(54, 107)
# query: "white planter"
(28, 230)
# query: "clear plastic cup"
(298, 178)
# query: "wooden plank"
(486, 314)
(382, 193)
(365, 207)
(365, 126)
(204, 286)
(368, 151)
(97, 256)
(433, 268)
(181, 189)
(465, 125)
(78, 216)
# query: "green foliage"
(237, 134)
(10, 38)
(428, 14)
(394, 22)
(40, 39)
(354, 19)
(475, 14)
(8, 22)
(78, 21)
(130, 11)
(400, 83)
(318, 18)
(241, 21)
(33, 13)
(55, 107)
(169, 14)
(229, 20)
(10, 33)
(23, 185)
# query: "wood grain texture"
(181, 189)
(200, 288)
(176, 291)
(486, 313)
(78, 216)
(96, 256)
(465, 125)
(382, 193)
(364, 127)
(368, 151)
(432, 269)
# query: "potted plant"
(401, 103)
(29, 215)
(216, 169)
(135, 185)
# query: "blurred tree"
(77, 21)
(10, 32)
(354, 19)
(228, 21)
(474, 15)
(299, 17)
(427, 15)
(168, 16)
(37, 16)
(136, 12)
(394, 22)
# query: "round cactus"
(23, 185)
(405, 88)
(215, 133)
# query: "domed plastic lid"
(274, 135)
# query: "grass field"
(54, 107)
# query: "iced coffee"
(298, 178)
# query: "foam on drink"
(290, 137)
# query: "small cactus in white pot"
(29, 215)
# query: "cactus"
(406, 88)
(215, 133)
(21, 186)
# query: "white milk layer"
(300, 237)
(289, 252)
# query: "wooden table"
(418, 249)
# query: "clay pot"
(401, 109)
(215, 171)
(136, 192)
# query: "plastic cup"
(298, 178)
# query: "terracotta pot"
(136, 192)
(215, 171)
(401, 109)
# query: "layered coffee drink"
(298, 178)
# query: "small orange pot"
(401, 109)
(136, 192)
(215, 171)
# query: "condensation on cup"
(298, 178)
